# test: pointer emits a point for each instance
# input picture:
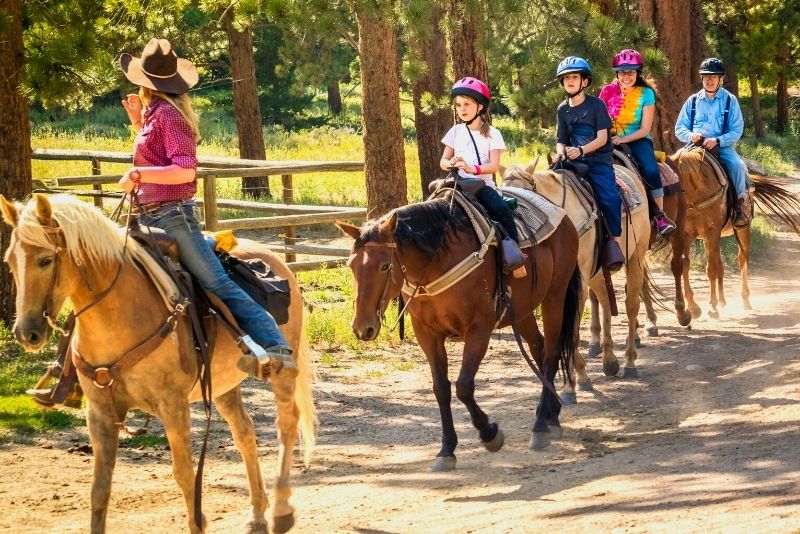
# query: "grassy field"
(328, 293)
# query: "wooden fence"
(211, 169)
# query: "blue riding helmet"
(574, 64)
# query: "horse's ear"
(531, 168)
(388, 226)
(349, 229)
(43, 210)
(10, 213)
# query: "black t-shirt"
(579, 125)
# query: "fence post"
(98, 200)
(288, 198)
(210, 203)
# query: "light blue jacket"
(708, 118)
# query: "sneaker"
(664, 225)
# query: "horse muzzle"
(32, 332)
(366, 331)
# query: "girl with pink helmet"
(631, 105)
(474, 147)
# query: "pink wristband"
(478, 170)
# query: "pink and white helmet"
(472, 87)
(627, 59)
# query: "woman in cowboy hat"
(163, 182)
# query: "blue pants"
(601, 176)
(198, 258)
(498, 210)
(643, 154)
(735, 167)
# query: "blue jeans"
(735, 168)
(603, 180)
(198, 258)
(491, 199)
(643, 154)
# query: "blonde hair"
(180, 102)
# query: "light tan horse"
(635, 237)
(63, 248)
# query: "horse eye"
(45, 262)
(385, 267)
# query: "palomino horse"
(635, 236)
(412, 247)
(64, 248)
(707, 218)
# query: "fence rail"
(289, 215)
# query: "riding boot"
(740, 218)
(513, 257)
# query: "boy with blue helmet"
(712, 118)
(583, 135)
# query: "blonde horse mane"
(89, 235)
(690, 163)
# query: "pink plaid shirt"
(165, 139)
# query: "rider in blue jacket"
(712, 117)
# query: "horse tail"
(571, 319)
(304, 396)
(652, 291)
(777, 202)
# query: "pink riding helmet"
(627, 59)
(471, 87)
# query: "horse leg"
(651, 328)
(432, 345)
(610, 363)
(692, 306)
(594, 325)
(283, 386)
(177, 426)
(714, 271)
(633, 289)
(231, 408)
(104, 435)
(743, 239)
(676, 265)
(476, 342)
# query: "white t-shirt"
(458, 139)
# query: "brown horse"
(708, 218)
(412, 247)
(63, 248)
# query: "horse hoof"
(283, 523)
(556, 432)
(594, 350)
(696, 313)
(585, 385)
(444, 463)
(493, 446)
(568, 399)
(630, 372)
(611, 368)
(684, 319)
(714, 314)
(652, 331)
(539, 440)
(638, 342)
(254, 527)
(746, 306)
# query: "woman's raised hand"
(133, 106)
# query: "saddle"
(712, 157)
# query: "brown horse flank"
(415, 245)
(707, 218)
(63, 248)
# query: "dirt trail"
(707, 439)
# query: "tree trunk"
(384, 158)
(466, 28)
(755, 102)
(431, 127)
(15, 137)
(782, 91)
(732, 64)
(334, 97)
(245, 104)
(674, 20)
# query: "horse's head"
(375, 271)
(34, 265)
(518, 176)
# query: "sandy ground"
(707, 439)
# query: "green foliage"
(147, 441)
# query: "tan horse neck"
(698, 178)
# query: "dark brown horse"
(414, 246)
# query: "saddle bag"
(268, 290)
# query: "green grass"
(146, 441)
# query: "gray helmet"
(712, 65)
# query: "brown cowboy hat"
(160, 69)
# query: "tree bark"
(674, 20)
(384, 158)
(755, 102)
(334, 97)
(466, 29)
(782, 90)
(246, 108)
(606, 7)
(431, 127)
(15, 137)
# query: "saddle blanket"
(630, 193)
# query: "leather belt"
(153, 206)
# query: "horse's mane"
(690, 163)
(422, 225)
(89, 235)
